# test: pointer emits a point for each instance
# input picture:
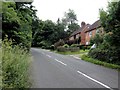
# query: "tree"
(17, 22)
(70, 16)
(111, 22)
(70, 21)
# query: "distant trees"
(21, 24)
(49, 32)
(70, 21)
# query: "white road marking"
(48, 56)
(95, 80)
(61, 62)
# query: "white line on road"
(95, 80)
(61, 62)
(48, 56)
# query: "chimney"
(83, 24)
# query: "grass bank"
(15, 64)
(95, 61)
(83, 55)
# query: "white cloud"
(86, 10)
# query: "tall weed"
(15, 63)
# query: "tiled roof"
(94, 25)
(79, 30)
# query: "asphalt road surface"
(52, 70)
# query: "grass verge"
(95, 61)
(73, 53)
(15, 63)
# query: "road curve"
(52, 70)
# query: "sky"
(86, 10)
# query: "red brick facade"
(86, 32)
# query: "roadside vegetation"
(80, 52)
(15, 66)
(24, 29)
(98, 62)
(17, 38)
(108, 46)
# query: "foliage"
(98, 62)
(14, 66)
(17, 21)
(70, 21)
(48, 32)
(112, 22)
(74, 45)
(59, 43)
(66, 46)
(98, 39)
(109, 50)
(61, 49)
(108, 55)
(74, 49)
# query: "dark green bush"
(110, 55)
(99, 54)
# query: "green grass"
(73, 53)
(83, 56)
(15, 63)
(95, 61)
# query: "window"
(90, 33)
(98, 31)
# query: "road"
(52, 70)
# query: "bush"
(14, 66)
(74, 49)
(61, 49)
(74, 45)
(83, 47)
(98, 54)
(66, 46)
(59, 43)
(96, 40)
(110, 55)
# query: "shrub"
(98, 54)
(59, 43)
(14, 66)
(110, 55)
(74, 49)
(97, 39)
(66, 46)
(83, 47)
(74, 45)
(61, 49)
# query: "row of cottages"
(83, 35)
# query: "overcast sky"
(86, 10)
